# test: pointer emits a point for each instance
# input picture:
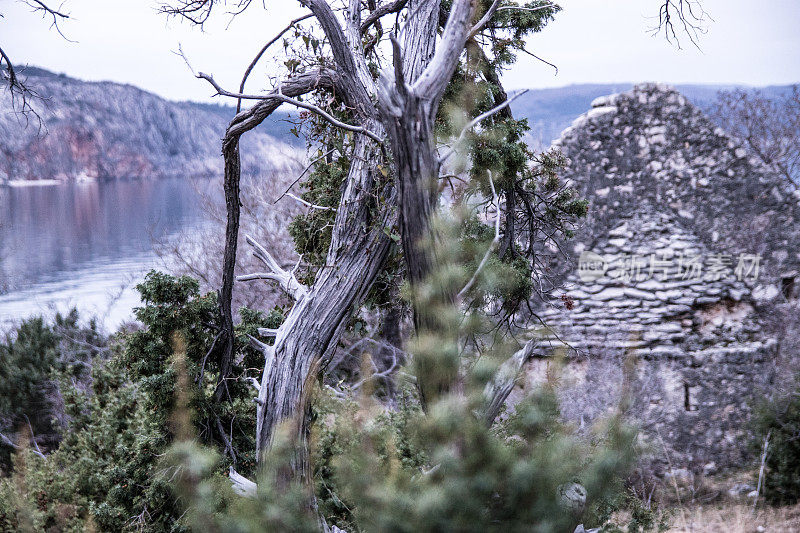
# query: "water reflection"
(77, 243)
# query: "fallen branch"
(33, 437)
(16, 446)
(497, 390)
(241, 485)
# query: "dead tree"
(392, 116)
(770, 126)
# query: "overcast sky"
(591, 41)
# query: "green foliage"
(101, 467)
(538, 209)
(474, 479)
(506, 280)
(107, 470)
(515, 24)
(438, 469)
(311, 231)
(143, 448)
(336, 439)
(640, 516)
(279, 505)
(779, 419)
(646, 518)
(30, 358)
(408, 470)
(497, 146)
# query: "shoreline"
(32, 183)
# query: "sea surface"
(88, 244)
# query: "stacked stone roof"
(652, 146)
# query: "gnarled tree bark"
(407, 103)
(307, 339)
(408, 100)
(242, 123)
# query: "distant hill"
(109, 130)
(278, 125)
(549, 111)
(115, 131)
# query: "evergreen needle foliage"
(439, 469)
(779, 421)
(116, 426)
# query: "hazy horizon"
(230, 103)
(741, 46)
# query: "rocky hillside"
(112, 131)
(109, 130)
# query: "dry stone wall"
(689, 247)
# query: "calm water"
(87, 244)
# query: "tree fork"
(242, 123)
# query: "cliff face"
(687, 258)
(112, 131)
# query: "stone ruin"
(689, 248)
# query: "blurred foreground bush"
(778, 419)
(117, 423)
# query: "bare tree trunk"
(305, 342)
(359, 246)
(416, 164)
(241, 124)
(309, 336)
(231, 185)
(408, 102)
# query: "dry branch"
(286, 280)
(281, 98)
(260, 53)
(492, 245)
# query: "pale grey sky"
(591, 41)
